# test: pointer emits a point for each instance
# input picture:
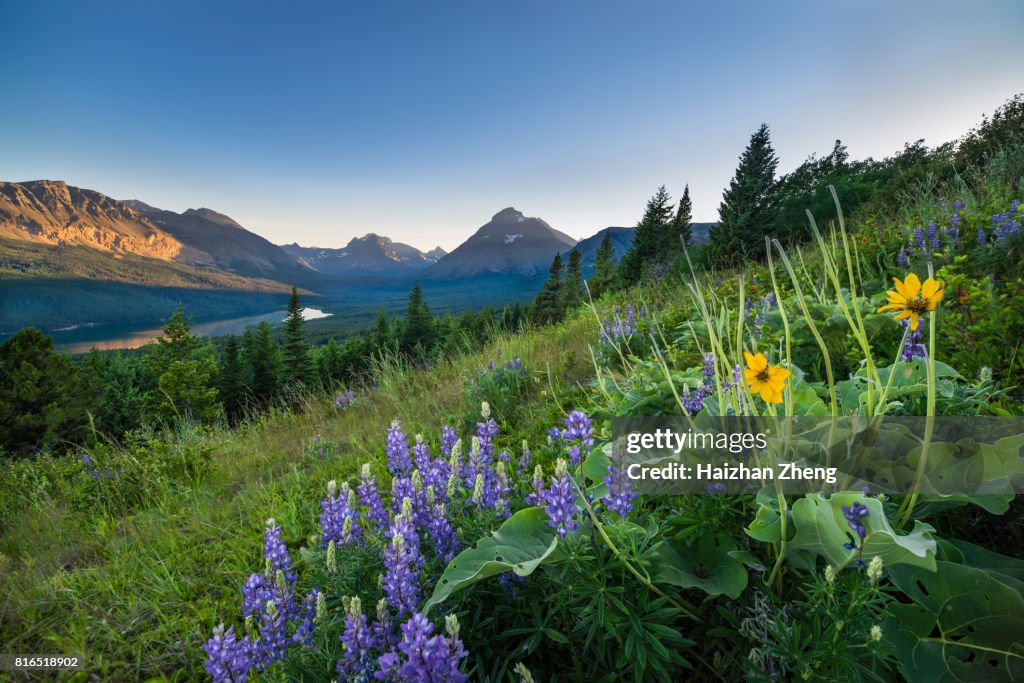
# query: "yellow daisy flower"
(912, 299)
(764, 379)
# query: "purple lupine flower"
(369, 497)
(411, 489)
(958, 205)
(501, 489)
(339, 519)
(523, 466)
(383, 627)
(275, 552)
(554, 434)
(344, 399)
(357, 641)
(919, 237)
(708, 371)
(715, 487)
(913, 347)
(397, 447)
(854, 516)
(578, 429)
(981, 235)
(953, 234)
(273, 640)
(511, 583)
(442, 534)
(304, 631)
(421, 455)
(536, 495)
(479, 475)
(448, 439)
(401, 562)
(620, 490)
(560, 500)
(425, 657)
(228, 659)
(933, 231)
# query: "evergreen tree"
(297, 366)
(123, 383)
(682, 225)
(44, 399)
(184, 372)
(649, 238)
(231, 380)
(383, 334)
(745, 215)
(547, 307)
(418, 332)
(605, 271)
(572, 289)
(266, 365)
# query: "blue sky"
(419, 120)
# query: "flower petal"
(912, 285)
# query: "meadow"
(471, 519)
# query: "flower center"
(918, 305)
(764, 376)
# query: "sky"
(318, 122)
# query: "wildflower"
(228, 659)
(912, 299)
(985, 374)
(715, 488)
(874, 570)
(620, 491)
(401, 562)
(448, 439)
(422, 656)
(524, 674)
(397, 447)
(560, 500)
(332, 558)
(578, 428)
(501, 487)
(273, 640)
(830, 574)
(344, 399)
(535, 496)
(876, 633)
(383, 628)
(767, 380)
(442, 534)
(369, 497)
(913, 347)
(276, 553)
(511, 583)
(357, 640)
(854, 516)
(554, 434)
(981, 235)
(919, 237)
(523, 465)
(340, 517)
(304, 631)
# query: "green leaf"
(708, 565)
(822, 529)
(964, 625)
(524, 542)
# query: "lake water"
(108, 337)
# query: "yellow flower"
(912, 299)
(769, 381)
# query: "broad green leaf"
(822, 529)
(708, 564)
(964, 625)
(524, 542)
(766, 525)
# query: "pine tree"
(297, 366)
(547, 307)
(682, 225)
(266, 365)
(418, 332)
(231, 380)
(649, 238)
(572, 289)
(184, 372)
(383, 335)
(745, 214)
(605, 271)
(44, 399)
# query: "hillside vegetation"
(321, 536)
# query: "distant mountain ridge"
(371, 254)
(509, 243)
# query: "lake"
(107, 337)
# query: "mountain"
(509, 243)
(50, 212)
(231, 247)
(371, 254)
(622, 239)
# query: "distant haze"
(417, 120)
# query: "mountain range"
(68, 253)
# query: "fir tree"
(266, 365)
(297, 366)
(231, 380)
(572, 289)
(44, 399)
(682, 225)
(649, 238)
(744, 216)
(547, 307)
(418, 332)
(605, 271)
(184, 372)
